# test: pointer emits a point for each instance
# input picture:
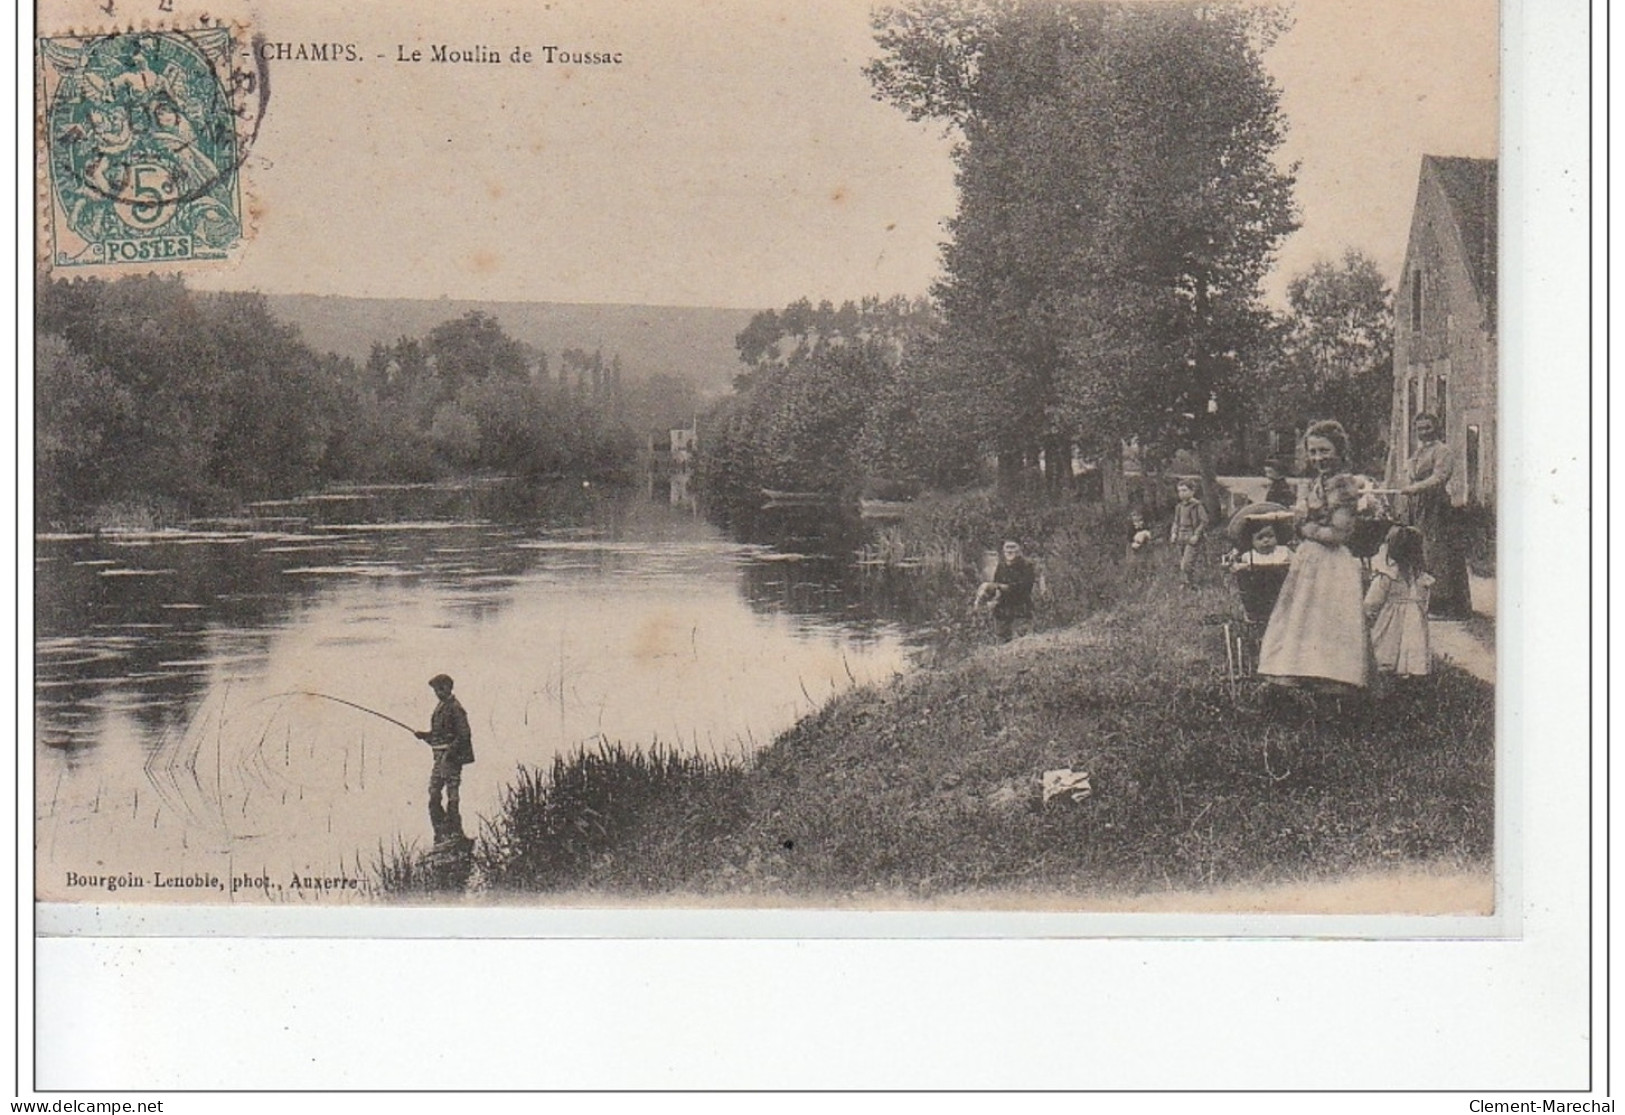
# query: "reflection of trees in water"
(814, 571)
(830, 530)
(137, 622)
(810, 587)
(181, 609)
(132, 629)
(495, 499)
(148, 672)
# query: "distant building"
(1445, 323)
(671, 448)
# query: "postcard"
(1018, 457)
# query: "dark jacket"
(1190, 521)
(448, 727)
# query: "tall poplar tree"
(1120, 201)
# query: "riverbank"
(931, 790)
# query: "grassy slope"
(933, 785)
(930, 786)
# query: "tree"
(474, 348)
(922, 428)
(146, 391)
(277, 401)
(78, 409)
(1335, 355)
(1119, 205)
(815, 377)
(455, 435)
(660, 402)
(153, 346)
(205, 397)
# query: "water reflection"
(172, 725)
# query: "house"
(1445, 323)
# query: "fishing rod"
(342, 701)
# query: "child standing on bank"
(1189, 529)
(1397, 603)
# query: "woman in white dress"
(1317, 634)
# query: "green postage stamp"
(144, 134)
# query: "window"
(1416, 298)
(1472, 463)
(1440, 403)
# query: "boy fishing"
(453, 746)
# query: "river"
(180, 739)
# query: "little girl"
(1397, 603)
(1139, 538)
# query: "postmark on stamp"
(144, 135)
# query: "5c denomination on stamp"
(144, 134)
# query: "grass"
(933, 787)
(929, 787)
(613, 816)
(403, 871)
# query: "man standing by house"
(452, 743)
(1429, 510)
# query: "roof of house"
(1469, 190)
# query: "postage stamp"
(143, 134)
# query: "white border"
(1010, 1014)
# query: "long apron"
(1317, 629)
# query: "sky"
(1369, 88)
(736, 157)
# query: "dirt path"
(1454, 642)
